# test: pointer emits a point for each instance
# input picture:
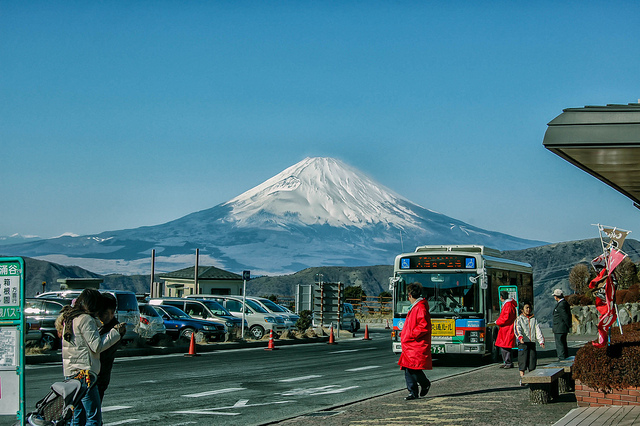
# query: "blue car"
(180, 324)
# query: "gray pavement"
(488, 395)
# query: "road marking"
(324, 390)
(242, 403)
(332, 391)
(213, 392)
(199, 412)
(114, 408)
(298, 379)
(352, 350)
(369, 367)
(122, 422)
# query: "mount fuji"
(318, 212)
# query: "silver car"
(151, 325)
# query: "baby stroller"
(56, 408)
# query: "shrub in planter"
(614, 366)
(304, 321)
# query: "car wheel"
(187, 332)
(257, 332)
(49, 339)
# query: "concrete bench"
(543, 384)
(565, 382)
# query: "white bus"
(462, 285)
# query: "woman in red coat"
(506, 336)
(416, 343)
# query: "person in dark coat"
(561, 324)
(506, 339)
(107, 315)
(416, 343)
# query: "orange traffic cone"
(366, 333)
(332, 340)
(387, 327)
(270, 346)
(192, 346)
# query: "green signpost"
(12, 337)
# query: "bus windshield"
(446, 293)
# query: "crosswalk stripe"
(213, 392)
(298, 379)
(369, 367)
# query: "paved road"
(244, 386)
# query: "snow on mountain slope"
(322, 191)
(318, 212)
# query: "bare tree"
(626, 273)
(579, 278)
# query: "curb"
(130, 352)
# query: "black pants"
(413, 378)
(562, 349)
(506, 356)
(527, 356)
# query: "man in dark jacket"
(561, 323)
(107, 315)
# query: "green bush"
(304, 322)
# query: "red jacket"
(506, 336)
(416, 338)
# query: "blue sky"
(124, 114)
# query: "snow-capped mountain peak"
(320, 191)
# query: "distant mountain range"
(551, 266)
(318, 212)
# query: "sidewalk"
(487, 395)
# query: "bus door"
(513, 294)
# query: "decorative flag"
(616, 236)
(603, 284)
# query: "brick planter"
(589, 397)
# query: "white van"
(290, 319)
(260, 321)
(127, 310)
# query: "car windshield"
(256, 307)
(216, 308)
(272, 306)
(148, 311)
(174, 312)
(126, 301)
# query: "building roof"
(204, 273)
(604, 141)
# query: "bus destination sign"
(438, 261)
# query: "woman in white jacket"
(527, 331)
(81, 347)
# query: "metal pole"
(195, 275)
(153, 273)
(244, 301)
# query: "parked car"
(209, 310)
(259, 319)
(32, 333)
(348, 319)
(127, 307)
(44, 312)
(151, 325)
(290, 318)
(179, 324)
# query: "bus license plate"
(444, 327)
(437, 349)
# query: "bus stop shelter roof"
(604, 141)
